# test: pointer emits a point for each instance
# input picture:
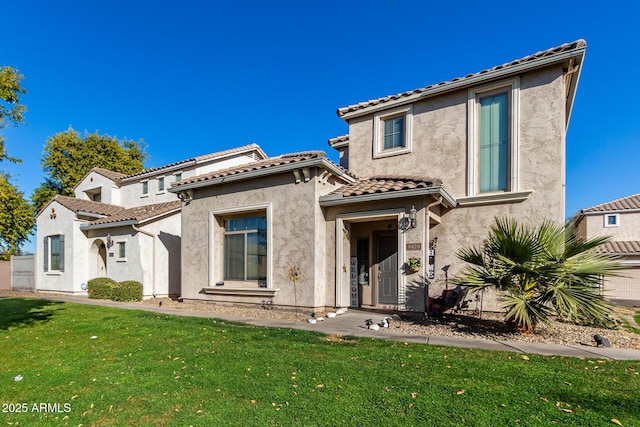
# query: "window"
(53, 253)
(493, 138)
(494, 131)
(611, 220)
(96, 197)
(178, 176)
(122, 249)
(392, 132)
(245, 248)
(161, 184)
(145, 188)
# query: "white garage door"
(626, 287)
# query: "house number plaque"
(414, 246)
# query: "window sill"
(144, 195)
(121, 260)
(54, 273)
(247, 292)
(391, 152)
(494, 198)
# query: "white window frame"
(378, 131)
(512, 86)
(119, 258)
(164, 185)
(176, 174)
(48, 254)
(616, 221)
(216, 269)
(145, 183)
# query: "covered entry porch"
(375, 237)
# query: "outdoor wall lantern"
(109, 241)
(412, 217)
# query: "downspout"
(153, 257)
(425, 252)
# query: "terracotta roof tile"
(77, 205)
(620, 248)
(539, 55)
(114, 176)
(338, 140)
(385, 184)
(284, 159)
(140, 213)
(621, 204)
(203, 158)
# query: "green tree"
(11, 111)
(539, 272)
(16, 217)
(68, 156)
(16, 214)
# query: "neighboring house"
(436, 164)
(125, 227)
(619, 219)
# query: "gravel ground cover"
(487, 325)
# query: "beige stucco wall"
(629, 228)
(439, 150)
(297, 237)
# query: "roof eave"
(108, 225)
(338, 199)
(472, 81)
(322, 162)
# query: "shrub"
(129, 290)
(101, 288)
(105, 288)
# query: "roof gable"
(268, 166)
(137, 214)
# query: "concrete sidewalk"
(352, 324)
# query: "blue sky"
(193, 77)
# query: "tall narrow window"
(53, 258)
(122, 249)
(245, 249)
(494, 136)
(161, 184)
(145, 188)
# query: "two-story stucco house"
(421, 174)
(126, 227)
(619, 219)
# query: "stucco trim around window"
(611, 220)
(475, 94)
(216, 269)
(379, 120)
(494, 198)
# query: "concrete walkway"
(352, 324)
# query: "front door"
(387, 259)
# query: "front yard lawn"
(99, 366)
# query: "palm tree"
(540, 272)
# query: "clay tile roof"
(620, 248)
(538, 55)
(114, 176)
(385, 184)
(197, 159)
(338, 140)
(266, 164)
(140, 213)
(624, 203)
(77, 205)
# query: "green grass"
(146, 369)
